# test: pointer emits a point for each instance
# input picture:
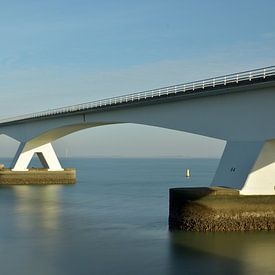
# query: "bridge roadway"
(238, 108)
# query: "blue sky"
(57, 53)
(111, 35)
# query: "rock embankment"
(37, 176)
(219, 209)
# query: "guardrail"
(155, 93)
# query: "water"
(114, 221)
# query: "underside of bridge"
(248, 166)
(242, 116)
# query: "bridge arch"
(241, 113)
(41, 144)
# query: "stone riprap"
(37, 176)
(219, 209)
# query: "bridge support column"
(45, 153)
(248, 167)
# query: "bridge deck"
(204, 87)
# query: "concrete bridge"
(238, 108)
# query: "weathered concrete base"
(219, 209)
(37, 176)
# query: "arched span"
(56, 133)
(243, 118)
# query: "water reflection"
(223, 253)
(37, 206)
(114, 221)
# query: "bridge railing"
(196, 86)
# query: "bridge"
(238, 108)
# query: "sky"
(61, 52)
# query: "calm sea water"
(114, 221)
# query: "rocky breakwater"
(219, 209)
(38, 176)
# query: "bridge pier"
(51, 173)
(45, 153)
(248, 166)
(247, 170)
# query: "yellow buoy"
(187, 173)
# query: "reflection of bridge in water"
(223, 253)
(37, 206)
(238, 108)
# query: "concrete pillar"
(248, 167)
(261, 179)
(46, 155)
